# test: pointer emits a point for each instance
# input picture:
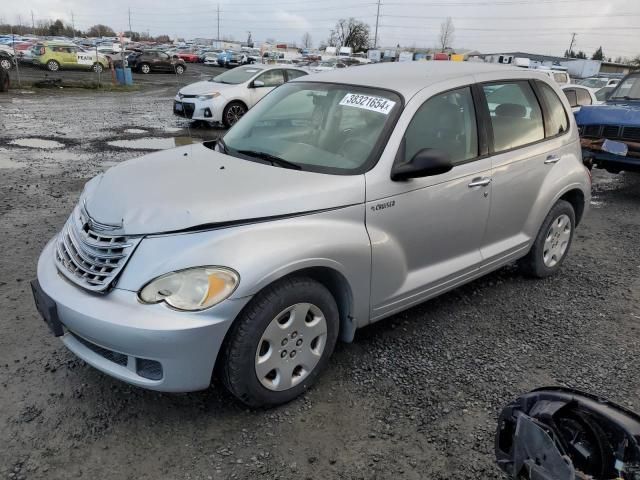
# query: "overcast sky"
(536, 26)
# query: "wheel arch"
(576, 198)
(236, 100)
(332, 280)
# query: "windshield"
(236, 76)
(594, 82)
(603, 93)
(628, 89)
(318, 127)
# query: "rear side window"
(560, 77)
(516, 116)
(291, 74)
(446, 122)
(558, 121)
(272, 78)
(583, 97)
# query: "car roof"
(408, 78)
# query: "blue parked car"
(610, 133)
(230, 59)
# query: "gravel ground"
(415, 396)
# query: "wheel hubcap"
(291, 347)
(557, 240)
(234, 114)
(5, 64)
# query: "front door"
(264, 83)
(426, 237)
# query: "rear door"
(524, 145)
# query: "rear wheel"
(179, 69)
(5, 63)
(97, 67)
(232, 113)
(281, 342)
(53, 66)
(552, 243)
(145, 68)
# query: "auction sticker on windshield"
(368, 102)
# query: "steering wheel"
(353, 146)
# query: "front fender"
(265, 252)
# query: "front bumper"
(592, 152)
(117, 334)
(194, 109)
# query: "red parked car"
(189, 57)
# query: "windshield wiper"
(280, 162)
(220, 142)
(624, 97)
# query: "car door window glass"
(291, 74)
(583, 97)
(272, 78)
(558, 121)
(560, 77)
(446, 122)
(516, 116)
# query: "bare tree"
(307, 42)
(350, 33)
(447, 34)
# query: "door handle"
(480, 182)
(552, 159)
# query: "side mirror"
(257, 84)
(425, 163)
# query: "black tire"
(180, 69)
(238, 368)
(534, 264)
(232, 113)
(6, 63)
(53, 66)
(145, 68)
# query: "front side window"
(516, 117)
(272, 78)
(446, 122)
(318, 127)
(558, 122)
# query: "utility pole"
(33, 24)
(573, 38)
(73, 24)
(130, 31)
(218, 36)
(375, 39)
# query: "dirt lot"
(415, 396)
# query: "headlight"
(208, 97)
(192, 289)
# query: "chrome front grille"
(89, 258)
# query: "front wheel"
(53, 66)
(280, 343)
(145, 68)
(552, 243)
(97, 67)
(232, 113)
(179, 69)
(5, 63)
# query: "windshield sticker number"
(368, 102)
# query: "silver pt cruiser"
(340, 199)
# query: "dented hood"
(194, 186)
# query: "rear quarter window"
(558, 120)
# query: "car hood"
(205, 87)
(194, 186)
(610, 113)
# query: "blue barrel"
(123, 76)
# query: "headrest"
(512, 110)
